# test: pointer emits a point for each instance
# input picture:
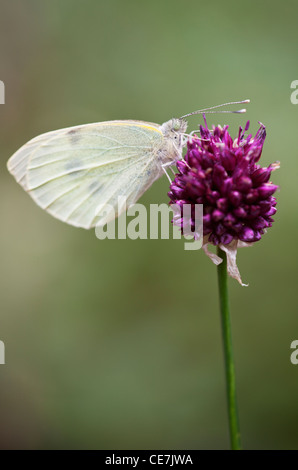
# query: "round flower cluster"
(224, 175)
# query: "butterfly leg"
(168, 164)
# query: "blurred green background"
(116, 344)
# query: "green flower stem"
(228, 352)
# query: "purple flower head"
(224, 175)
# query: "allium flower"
(223, 174)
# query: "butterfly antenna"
(209, 110)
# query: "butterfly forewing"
(78, 173)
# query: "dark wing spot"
(75, 175)
(73, 165)
(95, 185)
(94, 188)
(74, 136)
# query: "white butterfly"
(77, 173)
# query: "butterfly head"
(174, 128)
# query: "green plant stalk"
(228, 352)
